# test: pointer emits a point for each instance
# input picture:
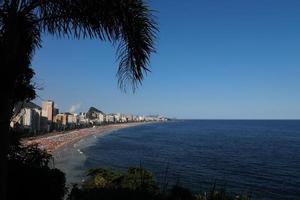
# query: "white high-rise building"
(28, 117)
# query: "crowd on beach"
(54, 142)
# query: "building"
(117, 118)
(61, 121)
(124, 118)
(48, 110)
(110, 118)
(101, 118)
(73, 120)
(141, 118)
(27, 117)
(83, 120)
(129, 118)
(47, 115)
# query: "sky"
(215, 59)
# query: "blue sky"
(220, 59)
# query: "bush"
(137, 184)
(30, 177)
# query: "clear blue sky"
(220, 59)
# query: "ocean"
(257, 157)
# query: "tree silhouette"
(22, 22)
(31, 173)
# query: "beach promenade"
(52, 142)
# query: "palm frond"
(20, 36)
(127, 22)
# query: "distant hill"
(93, 113)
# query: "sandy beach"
(53, 142)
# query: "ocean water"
(260, 157)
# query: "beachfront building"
(83, 120)
(61, 121)
(73, 120)
(161, 118)
(117, 117)
(129, 118)
(141, 118)
(47, 115)
(110, 118)
(27, 117)
(123, 118)
(152, 118)
(135, 118)
(101, 118)
(64, 121)
(48, 109)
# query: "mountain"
(93, 113)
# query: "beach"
(53, 142)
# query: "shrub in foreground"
(137, 184)
(30, 177)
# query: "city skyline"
(233, 60)
(33, 119)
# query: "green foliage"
(24, 87)
(135, 179)
(140, 179)
(29, 156)
(30, 177)
(180, 193)
(138, 183)
(102, 178)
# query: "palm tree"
(22, 22)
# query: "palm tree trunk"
(6, 109)
(3, 153)
(11, 53)
(8, 75)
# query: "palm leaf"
(128, 23)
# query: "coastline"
(53, 143)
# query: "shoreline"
(53, 143)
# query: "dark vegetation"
(138, 183)
(31, 175)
